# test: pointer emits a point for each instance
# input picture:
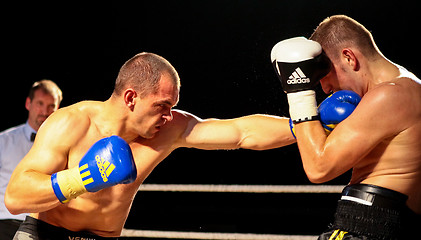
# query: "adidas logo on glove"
(298, 77)
(104, 167)
(293, 57)
(107, 163)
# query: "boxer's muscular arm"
(258, 132)
(325, 158)
(30, 189)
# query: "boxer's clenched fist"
(107, 163)
(337, 107)
(334, 109)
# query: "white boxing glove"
(300, 64)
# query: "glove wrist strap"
(303, 106)
(67, 184)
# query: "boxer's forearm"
(262, 132)
(311, 139)
(257, 132)
(317, 153)
(29, 192)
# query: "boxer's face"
(154, 110)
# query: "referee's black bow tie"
(33, 136)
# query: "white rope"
(228, 189)
(211, 235)
(242, 188)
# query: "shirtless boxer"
(139, 111)
(380, 141)
(53, 181)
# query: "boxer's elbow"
(249, 143)
(13, 203)
(258, 142)
(252, 144)
(316, 177)
(318, 172)
(13, 199)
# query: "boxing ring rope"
(212, 236)
(242, 188)
(227, 189)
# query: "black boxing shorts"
(371, 212)
(34, 229)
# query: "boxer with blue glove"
(107, 163)
(379, 141)
(60, 169)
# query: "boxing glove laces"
(107, 163)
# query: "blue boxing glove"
(334, 109)
(107, 163)
(338, 106)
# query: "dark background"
(221, 50)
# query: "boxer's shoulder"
(73, 120)
(397, 97)
(175, 130)
(392, 91)
(76, 113)
(181, 120)
(401, 90)
(170, 132)
(181, 115)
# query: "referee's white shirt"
(14, 145)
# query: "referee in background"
(43, 99)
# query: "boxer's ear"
(350, 59)
(130, 98)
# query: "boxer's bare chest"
(107, 208)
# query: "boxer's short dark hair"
(143, 72)
(340, 31)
